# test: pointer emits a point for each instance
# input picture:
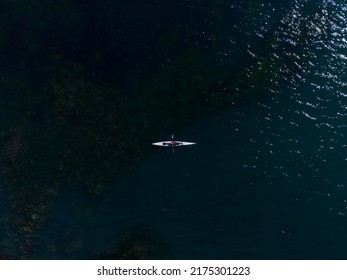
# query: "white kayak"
(173, 144)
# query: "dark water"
(267, 178)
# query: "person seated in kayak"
(172, 143)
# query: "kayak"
(173, 143)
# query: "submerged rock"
(141, 245)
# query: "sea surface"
(267, 178)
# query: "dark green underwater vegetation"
(139, 245)
(85, 86)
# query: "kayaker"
(172, 143)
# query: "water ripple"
(306, 70)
